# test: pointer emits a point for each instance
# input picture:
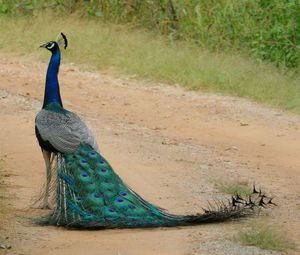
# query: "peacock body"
(89, 194)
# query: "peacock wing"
(64, 131)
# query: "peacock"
(88, 193)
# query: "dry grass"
(265, 237)
(135, 51)
(233, 188)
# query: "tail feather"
(91, 195)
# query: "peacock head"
(54, 45)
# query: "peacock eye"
(50, 45)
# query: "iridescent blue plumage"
(52, 93)
(89, 194)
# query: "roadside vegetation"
(234, 188)
(241, 48)
(257, 232)
(265, 237)
(266, 29)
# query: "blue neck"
(52, 94)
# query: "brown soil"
(171, 146)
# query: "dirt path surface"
(169, 145)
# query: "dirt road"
(171, 146)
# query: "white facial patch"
(50, 46)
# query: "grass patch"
(135, 51)
(264, 237)
(269, 30)
(234, 188)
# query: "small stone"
(5, 246)
(243, 124)
(231, 148)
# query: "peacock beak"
(43, 45)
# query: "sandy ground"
(169, 145)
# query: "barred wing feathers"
(64, 130)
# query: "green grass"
(150, 56)
(234, 188)
(266, 29)
(264, 237)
